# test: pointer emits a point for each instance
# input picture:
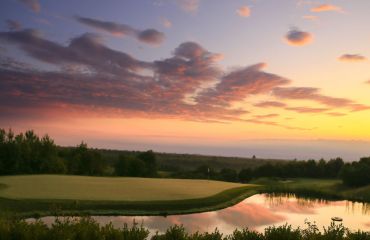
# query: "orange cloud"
(244, 11)
(311, 17)
(336, 114)
(326, 8)
(307, 109)
(271, 115)
(270, 104)
(352, 58)
(296, 37)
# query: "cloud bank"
(93, 79)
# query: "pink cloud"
(97, 80)
(313, 94)
(244, 11)
(238, 84)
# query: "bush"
(86, 228)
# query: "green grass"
(316, 188)
(75, 195)
(108, 188)
(41, 195)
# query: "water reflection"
(256, 212)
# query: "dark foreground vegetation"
(27, 153)
(89, 229)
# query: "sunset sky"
(272, 78)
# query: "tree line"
(27, 153)
(353, 174)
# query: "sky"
(276, 79)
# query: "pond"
(256, 212)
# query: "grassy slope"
(321, 188)
(108, 188)
(48, 194)
(150, 201)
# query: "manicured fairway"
(108, 188)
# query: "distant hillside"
(185, 162)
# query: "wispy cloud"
(307, 109)
(34, 5)
(336, 114)
(238, 84)
(189, 5)
(313, 94)
(270, 104)
(149, 36)
(296, 37)
(311, 17)
(352, 58)
(13, 25)
(166, 22)
(270, 115)
(244, 11)
(327, 8)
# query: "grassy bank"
(43, 195)
(66, 187)
(315, 188)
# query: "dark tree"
(356, 173)
(245, 175)
(228, 174)
(136, 168)
(122, 165)
(333, 167)
(150, 161)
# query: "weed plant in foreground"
(88, 229)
